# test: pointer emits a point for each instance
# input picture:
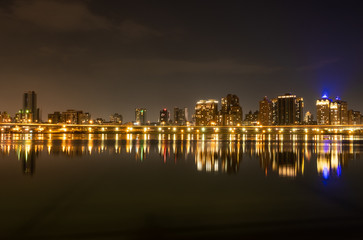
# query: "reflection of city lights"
(325, 173)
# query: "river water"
(123, 186)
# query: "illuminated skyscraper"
(164, 116)
(206, 112)
(289, 110)
(140, 116)
(331, 112)
(323, 110)
(338, 112)
(309, 118)
(180, 116)
(231, 111)
(266, 112)
(116, 118)
(299, 114)
(274, 111)
(30, 106)
(354, 117)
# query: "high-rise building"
(5, 117)
(338, 112)
(331, 112)
(140, 116)
(164, 116)
(299, 115)
(323, 110)
(309, 118)
(180, 116)
(116, 118)
(354, 117)
(231, 112)
(289, 110)
(30, 110)
(265, 116)
(55, 117)
(70, 116)
(251, 118)
(274, 117)
(206, 112)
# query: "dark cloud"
(318, 65)
(57, 15)
(113, 56)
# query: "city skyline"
(115, 57)
(286, 109)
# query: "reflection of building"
(28, 156)
(329, 159)
(206, 112)
(70, 116)
(210, 157)
(231, 111)
(116, 118)
(140, 116)
(164, 116)
(284, 160)
(180, 116)
(290, 110)
(266, 112)
(284, 157)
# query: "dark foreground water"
(181, 187)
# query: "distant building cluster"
(284, 110)
(287, 109)
(70, 116)
(335, 112)
(207, 113)
(30, 112)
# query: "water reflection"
(282, 155)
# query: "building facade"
(331, 112)
(70, 116)
(290, 109)
(140, 116)
(116, 118)
(251, 118)
(323, 111)
(206, 113)
(265, 115)
(354, 117)
(180, 116)
(164, 116)
(29, 112)
(231, 111)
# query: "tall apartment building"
(140, 116)
(231, 111)
(206, 112)
(331, 112)
(180, 116)
(289, 110)
(265, 116)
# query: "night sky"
(104, 57)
